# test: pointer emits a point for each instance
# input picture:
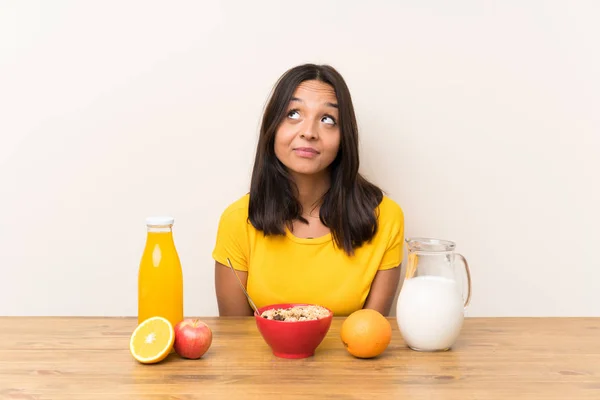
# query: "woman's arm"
(383, 290)
(230, 297)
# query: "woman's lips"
(306, 152)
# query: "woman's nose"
(309, 131)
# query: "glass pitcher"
(430, 308)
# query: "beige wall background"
(481, 119)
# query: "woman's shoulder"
(237, 210)
(390, 209)
(390, 217)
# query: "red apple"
(192, 338)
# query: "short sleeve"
(392, 224)
(232, 239)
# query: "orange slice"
(152, 340)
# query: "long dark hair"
(348, 207)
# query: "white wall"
(480, 118)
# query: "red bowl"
(295, 339)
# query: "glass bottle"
(160, 278)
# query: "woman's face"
(308, 138)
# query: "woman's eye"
(293, 114)
(328, 120)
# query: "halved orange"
(152, 340)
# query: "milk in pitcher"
(430, 312)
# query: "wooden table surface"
(495, 358)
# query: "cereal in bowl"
(296, 313)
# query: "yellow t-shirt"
(288, 269)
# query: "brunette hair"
(348, 208)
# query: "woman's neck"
(310, 192)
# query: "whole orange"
(366, 333)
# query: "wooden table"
(88, 358)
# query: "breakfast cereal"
(296, 313)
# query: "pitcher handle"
(464, 260)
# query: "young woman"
(312, 229)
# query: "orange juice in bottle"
(160, 279)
